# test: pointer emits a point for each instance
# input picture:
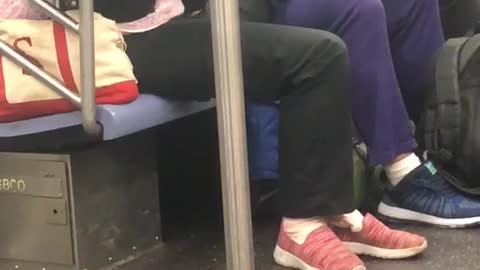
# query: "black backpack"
(459, 17)
(450, 126)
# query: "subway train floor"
(193, 230)
(199, 245)
(194, 237)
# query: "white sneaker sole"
(287, 259)
(363, 249)
(408, 215)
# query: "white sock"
(398, 170)
(352, 221)
(299, 229)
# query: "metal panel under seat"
(93, 207)
(33, 195)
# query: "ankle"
(299, 229)
(403, 165)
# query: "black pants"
(306, 69)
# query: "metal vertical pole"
(87, 67)
(232, 134)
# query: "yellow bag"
(57, 51)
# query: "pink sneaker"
(377, 240)
(322, 250)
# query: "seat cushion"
(117, 120)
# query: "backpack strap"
(471, 47)
(445, 101)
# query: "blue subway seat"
(117, 120)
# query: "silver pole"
(57, 15)
(87, 67)
(39, 74)
(232, 134)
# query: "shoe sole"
(286, 259)
(401, 214)
(382, 253)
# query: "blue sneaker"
(425, 196)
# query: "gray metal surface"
(87, 68)
(31, 186)
(105, 214)
(57, 15)
(231, 126)
(36, 228)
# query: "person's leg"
(307, 70)
(415, 32)
(378, 109)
